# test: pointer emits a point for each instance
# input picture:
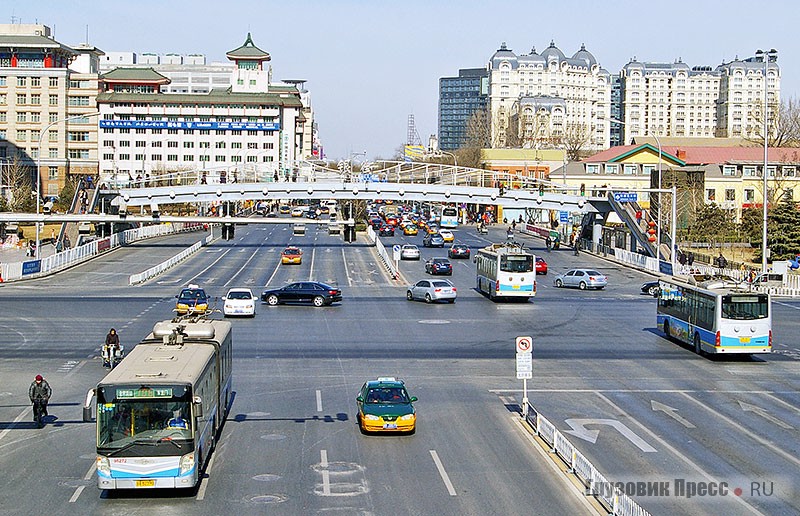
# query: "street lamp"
(39, 168)
(766, 56)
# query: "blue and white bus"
(714, 317)
(159, 412)
(449, 217)
(506, 271)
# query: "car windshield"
(384, 395)
(192, 294)
(239, 295)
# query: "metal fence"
(386, 258)
(617, 502)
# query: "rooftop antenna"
(87, 34)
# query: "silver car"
(432, 290)
(581, 278)
(409, 252)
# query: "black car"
(433, 240)
(313, 292)
(651, 288)
(439, 266)
(386, 230)
(458, 251)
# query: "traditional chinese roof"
(32, 42)
(134, 75)
(215, 96)
(248, 51)
(699, 155)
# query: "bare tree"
(18, 177)
(576, 136)
(783, 121)
(478, 135)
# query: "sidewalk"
(18, 254)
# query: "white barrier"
(615, 500)
(161, 267)
(69, 258)
(387, 260)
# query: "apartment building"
(48, 113)
(459, 98)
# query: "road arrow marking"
(671, 412)
(579, 430)
(747, 407)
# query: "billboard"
(413, 152)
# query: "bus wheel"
(697, 348)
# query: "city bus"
(160, 410)
(506, 271)
(449, 217)
(714, 316)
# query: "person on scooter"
(549, 243)
(111, 347)
(39, 392)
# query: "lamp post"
(658, 224)
(765, 56)
(39, 169)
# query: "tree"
(711, 223)
(66, 195)
(783, 121)
(19, 179)
(477, 136)
(576, 136)
(783, 231)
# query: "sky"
(369, 64)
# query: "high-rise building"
(741, 97)
(459, 98)
(548, 100)
(47, 105)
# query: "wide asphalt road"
(291, 444)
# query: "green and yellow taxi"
(192, 299)
(385, 406)
(410, 229)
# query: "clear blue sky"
(371, 63)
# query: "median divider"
(166, 264)
(387, 260)
(594, 482)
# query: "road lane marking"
(326, 475)
(209, 267)
(201, 492)
(319, 400)
(25, 413)
(346, 270)
(89, 473)
(671, 412)
(76, 494)
(311, 271)
(241, 268)
(273, 274)
(443, 473)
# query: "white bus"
(714, 318)
(506, 271)
(449, 217)
(160, 410)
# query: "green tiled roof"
(135, 74)
(248, 51)
(216, 96)
(32, 42)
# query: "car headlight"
(407, 417)
(371, 417)
(103, 465)
(187, 463)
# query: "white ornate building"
(544, 98)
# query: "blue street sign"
(563, 216)
(626, 197)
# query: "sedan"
(410, 229)
(447, 235)
(541, 265)
(313, 292)
(298, 212)
(284, 209)
(439, 266)
(458, 251)
(432, 290)
(651, 288)
(385, 406)
(433, 240)
(409, 252)
(239, 301)
(292, 255)
(192, 299)
(386, 230)
(581, 278)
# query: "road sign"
(396, 252)
(563, 216)
(626, 197)
(524, 366)
(524, 344)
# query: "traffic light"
(541, 189)
(583, 189)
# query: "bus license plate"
(145, 483)
(744, 340)
(515, 287)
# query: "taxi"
(291, 255)
(284, 209)
(385, 406)
(447, 235)
(192, 299)
(410, 230)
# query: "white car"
(409, 252)
(298, 212)
(239, 301)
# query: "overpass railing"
(51, 264)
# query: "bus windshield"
(516, 263)
(128, 414)
(747, 307)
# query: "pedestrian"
(67, 243)
(722, 262)
(690, 258)
(59, 246)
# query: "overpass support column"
(597, 236)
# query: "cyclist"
(111, 347)
(39, 392)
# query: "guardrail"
(383, 253)
(69, 258)
(617, 502)
(166, 264)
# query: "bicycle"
(39, 411)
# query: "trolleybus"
(161, 409)
(506, 271)
(449, 217)
(713, 316)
